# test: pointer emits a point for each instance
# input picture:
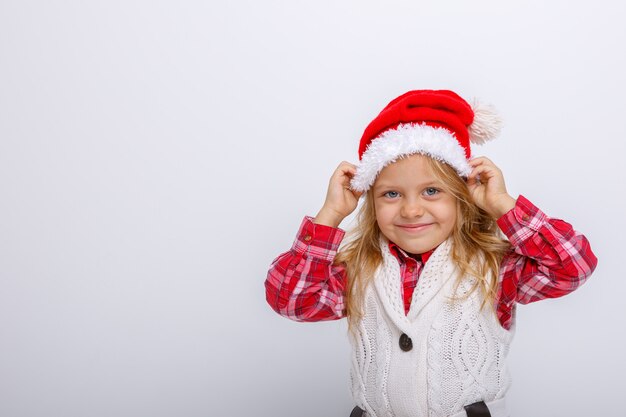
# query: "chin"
(418, 248)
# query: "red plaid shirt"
(410, 269)
(548, 259)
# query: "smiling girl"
(439, 258)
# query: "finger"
(481, 175)
(356, 194)
(476, 161)
(346, 164)
(475, 183)
(479, 160)
(472, 183)
(346, 177)
(346, 180)
(343, 174)
(477, 171)
(486, 167)
(347, 169)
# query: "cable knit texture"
(459, 351)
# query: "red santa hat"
(436, 123)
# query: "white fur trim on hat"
(408, 139)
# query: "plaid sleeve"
(303, 284)
(549, 258)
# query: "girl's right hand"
(341, 200)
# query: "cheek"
(384, 214)
(448, 213)
(452, 218)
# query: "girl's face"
(412, 208)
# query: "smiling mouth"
(414, 227)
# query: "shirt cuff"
(318, 240)
(522, 221)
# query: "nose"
(411, 208)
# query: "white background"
(156, 156)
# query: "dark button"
(406, 343)
(357, 412)
(478, 409)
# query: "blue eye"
(430, 191)
(392, 194)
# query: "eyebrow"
(384, 185)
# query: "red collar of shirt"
(402, 255)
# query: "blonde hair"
(475, 236)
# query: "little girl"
(427, 282)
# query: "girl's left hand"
(486, 185)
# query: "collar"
(401, 255)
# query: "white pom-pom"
(487, 123)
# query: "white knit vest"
(458, 354)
